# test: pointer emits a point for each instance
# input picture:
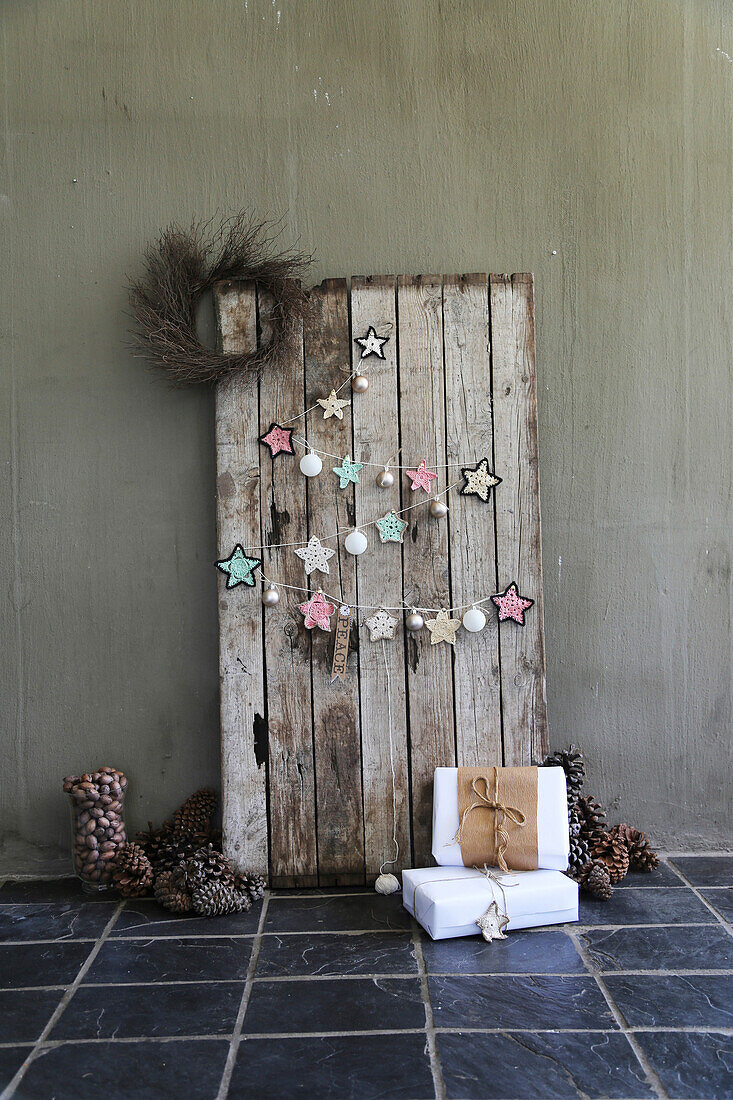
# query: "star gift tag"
(278, 440)
(391, 528)
(332, 406)
(421, 477)
(492, 923)
(511, 605)
(371, 344)
(315, 556)
(239, 568)
(317, 611)
(479, 480)
(381, 625)
(442, 629)
(347, 472)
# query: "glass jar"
(98, 827)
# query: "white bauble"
(356, 542)
(474, 620)
(311, 465)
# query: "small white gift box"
(553, 840)
(447, 901)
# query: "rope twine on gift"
(490, 801)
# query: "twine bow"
(490, 801)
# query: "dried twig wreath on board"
(182, 265)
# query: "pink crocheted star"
(421, 477)
(317, 611)
(278, 439)
(511, 605)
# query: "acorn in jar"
(97, 823)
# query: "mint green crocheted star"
(391, 528)
(239, 568)
(348, 471)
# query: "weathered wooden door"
(307, 764)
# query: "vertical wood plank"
(241, 662)
(376, 432)
(425, 549)
(519, 544)
(469, 433)
(336, 726)
(287, 644)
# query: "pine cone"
(216, 897)
(175, 849)
(641, 855)
(572, 762)
(151, 839)
(579, 854)
(574, 822)
(171, 892)
(194, 816)
(133, 873)
(592, 818)
(251, 884)
(595, 879)
(207, 865)
(612, 850)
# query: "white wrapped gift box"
(553, 840)
(447, 901)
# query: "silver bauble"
(438, 510)
(270, 596)
(414, 622)
(360, 383)
(385, 479)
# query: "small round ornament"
(360, 383)
(270, 596)
(474, 620)
(414, 622)
(311, 464)
(385, 478)
(356, 542)
(438, 509)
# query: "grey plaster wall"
(588, 141)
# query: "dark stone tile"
(53, 921)
(691, 1065)
(706, 870)
(330, 1004)
(525, 952)
(350, 1067)
(663, 876)
(25, 1013)
(351, 913)
(519, 1002)
(321, 891)
(522, 1066)
(147, 918)
(722, 900)
(634, 906)
(170, 960)
(58, 890)
(41, 963)
(331, 953)
(145, 1071)
(675, 948)
(11, 1059)
(141, 1011)
(653, 1000)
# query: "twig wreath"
(182, 265)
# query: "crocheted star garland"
(239, 568)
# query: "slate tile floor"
(341, 995)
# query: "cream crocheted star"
(381, 625)
(443, 628)
(333, 406)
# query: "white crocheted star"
(381, 625)
(492, 923)
(332, 406)
(315, 556)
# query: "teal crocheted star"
(239, 568)
(391, 528)
(348, 471)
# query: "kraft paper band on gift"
(497, 815)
